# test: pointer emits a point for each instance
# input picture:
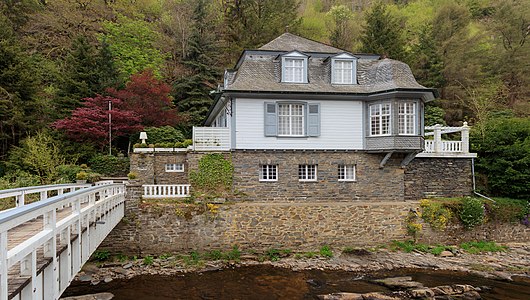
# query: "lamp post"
(110, 127)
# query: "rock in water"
(404, 282)
(341, 296)
(99, 296)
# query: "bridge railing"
(76, 222)
(43, 191)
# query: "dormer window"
(343, 69)
(294, 67)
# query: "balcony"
(439, 147)
(211, 139)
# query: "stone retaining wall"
(157, 228)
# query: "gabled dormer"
(294, 67)
(343, 69)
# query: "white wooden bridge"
(45, 243)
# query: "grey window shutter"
(271, 119)
(313, 120)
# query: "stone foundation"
(157, 228)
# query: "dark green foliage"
(164, 134)
(67, 173)
(110, 165)
(434, 115)
(382, 33)
(214, 176)
(504, 156)
(192, 91)
(325, 251)
(472, 212)
(507, 210)
(101, 255)
(427, 64)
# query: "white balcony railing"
(211, 138)
(166, 190)
(439, 147)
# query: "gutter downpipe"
(474, 186)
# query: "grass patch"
(409, 246)
(325, 251)
(482, 246)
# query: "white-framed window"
(407, 118)
(294, 70)
(291, 119)
(175, 167)
(342, 71)
(347, 173)
(380, 118)
(307, 172)
(268, 173)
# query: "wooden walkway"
(18, 235)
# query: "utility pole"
(110, 128)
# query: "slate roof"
(290, 42)
(260, 70)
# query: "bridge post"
(51, 272)
(3, 266)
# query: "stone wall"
(157, 228)
(438, 177)
(150, 167)
(372, 183)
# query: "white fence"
(166, 190)
(63, 231)
(211, 138)
(438, 147)
(43, 190)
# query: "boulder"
(404, 282)
(341, 296)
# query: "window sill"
(168, 171)
(307, 180)
(347, 180)
(268, 180)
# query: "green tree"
(382, 33)
(192, 90)
(504, 156)
(81, 78)
(341, 35)
(428, 64)
(133, 46)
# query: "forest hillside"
(64, 62)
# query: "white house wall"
(341, 127)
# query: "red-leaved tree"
(91, 121)
(149, 98)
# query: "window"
(380, 119)
(343, 71)
(175, 167)
(407, 118)
(346, 172)
(294, 70)
(307, 172)
(291, 119)
(268, 173)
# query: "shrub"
(110, 165)
(148, 260)
(101, 255)
(68, 173)
(81, 175)
(93, 177)
(472, 212)
(436, 214)
(164, 134)
(132, 175)
(233, 254)
(508, 210)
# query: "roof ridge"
(289, 42)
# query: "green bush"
(164, 134)
(508, 210)
(436, 214)
(110, 165)
(68, 173)
(481, 246)
(503, 148)
(472, 212)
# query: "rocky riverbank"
(499, 265)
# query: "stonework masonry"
(156, 228)
(288, 213)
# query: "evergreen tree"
(81, 77)
(382, 33)
(108, 75)
(192, 91)
(427, 65)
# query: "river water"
(269, 283)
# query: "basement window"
(307, 172)
(268, 173)
(175, 167)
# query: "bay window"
(380, 118)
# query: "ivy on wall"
(214, 177)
